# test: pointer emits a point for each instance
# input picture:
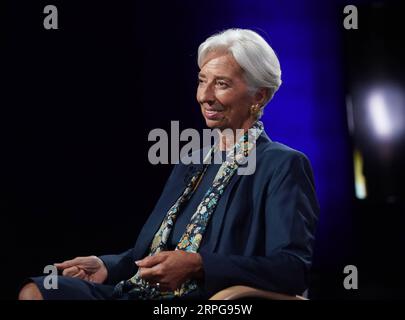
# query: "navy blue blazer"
(261, 233)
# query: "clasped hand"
(170, 268)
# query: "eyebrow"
(201, 75)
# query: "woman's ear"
(260, 96)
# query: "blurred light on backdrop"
(376, 122)
(386, 112)
(360, 183)
(379, 115)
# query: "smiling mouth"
(213, 114)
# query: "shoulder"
(275, 155)
(280, 165)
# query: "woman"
(212, 227)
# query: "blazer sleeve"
(291, 212)
(119, 266)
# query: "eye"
(200, 81)
(222, 84)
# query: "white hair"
(253, 54)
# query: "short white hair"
(253, 54)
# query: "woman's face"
(223, 93)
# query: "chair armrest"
(240, 292)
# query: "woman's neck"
(228, 137)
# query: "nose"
(206, 94)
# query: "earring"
(255, 110)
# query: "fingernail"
(137, 262)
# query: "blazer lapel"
(217, 219)
(218, 215)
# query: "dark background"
(77, 105)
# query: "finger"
(81, 275)
(70, 272)
(165, 287)
(150, 274)
(58, 265)
(69, 263)
(151, 261)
